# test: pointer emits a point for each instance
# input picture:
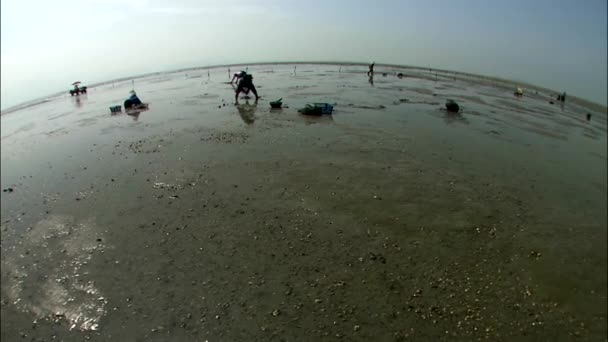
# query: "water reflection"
(247, 111)
(321, 120)
(50, 272)
(78, 100)
(134, 114)
(452, 118)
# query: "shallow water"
(389, 220)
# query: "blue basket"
(326, 108)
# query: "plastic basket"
(325, 108)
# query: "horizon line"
(47, 98)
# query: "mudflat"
(390, 220)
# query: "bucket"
(276, 104)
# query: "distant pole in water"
(294, 69)
(229, 73)
(246, 69)
(208, 74)
(340, 69)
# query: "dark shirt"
(246, 80)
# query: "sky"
(46, 45)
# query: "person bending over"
(245, 85)
(133, 101)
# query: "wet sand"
(390, 220)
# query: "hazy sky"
(47, 44)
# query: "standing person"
(371, 69)
(564, 97)
(245, 85)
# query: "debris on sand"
(535, 254)
(161, 185)
(378, 107)
(452, 106)
(408, 101)
(519, 92)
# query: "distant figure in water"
(371, 69)
(588, 116)
(133, 102)
(245, 85)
